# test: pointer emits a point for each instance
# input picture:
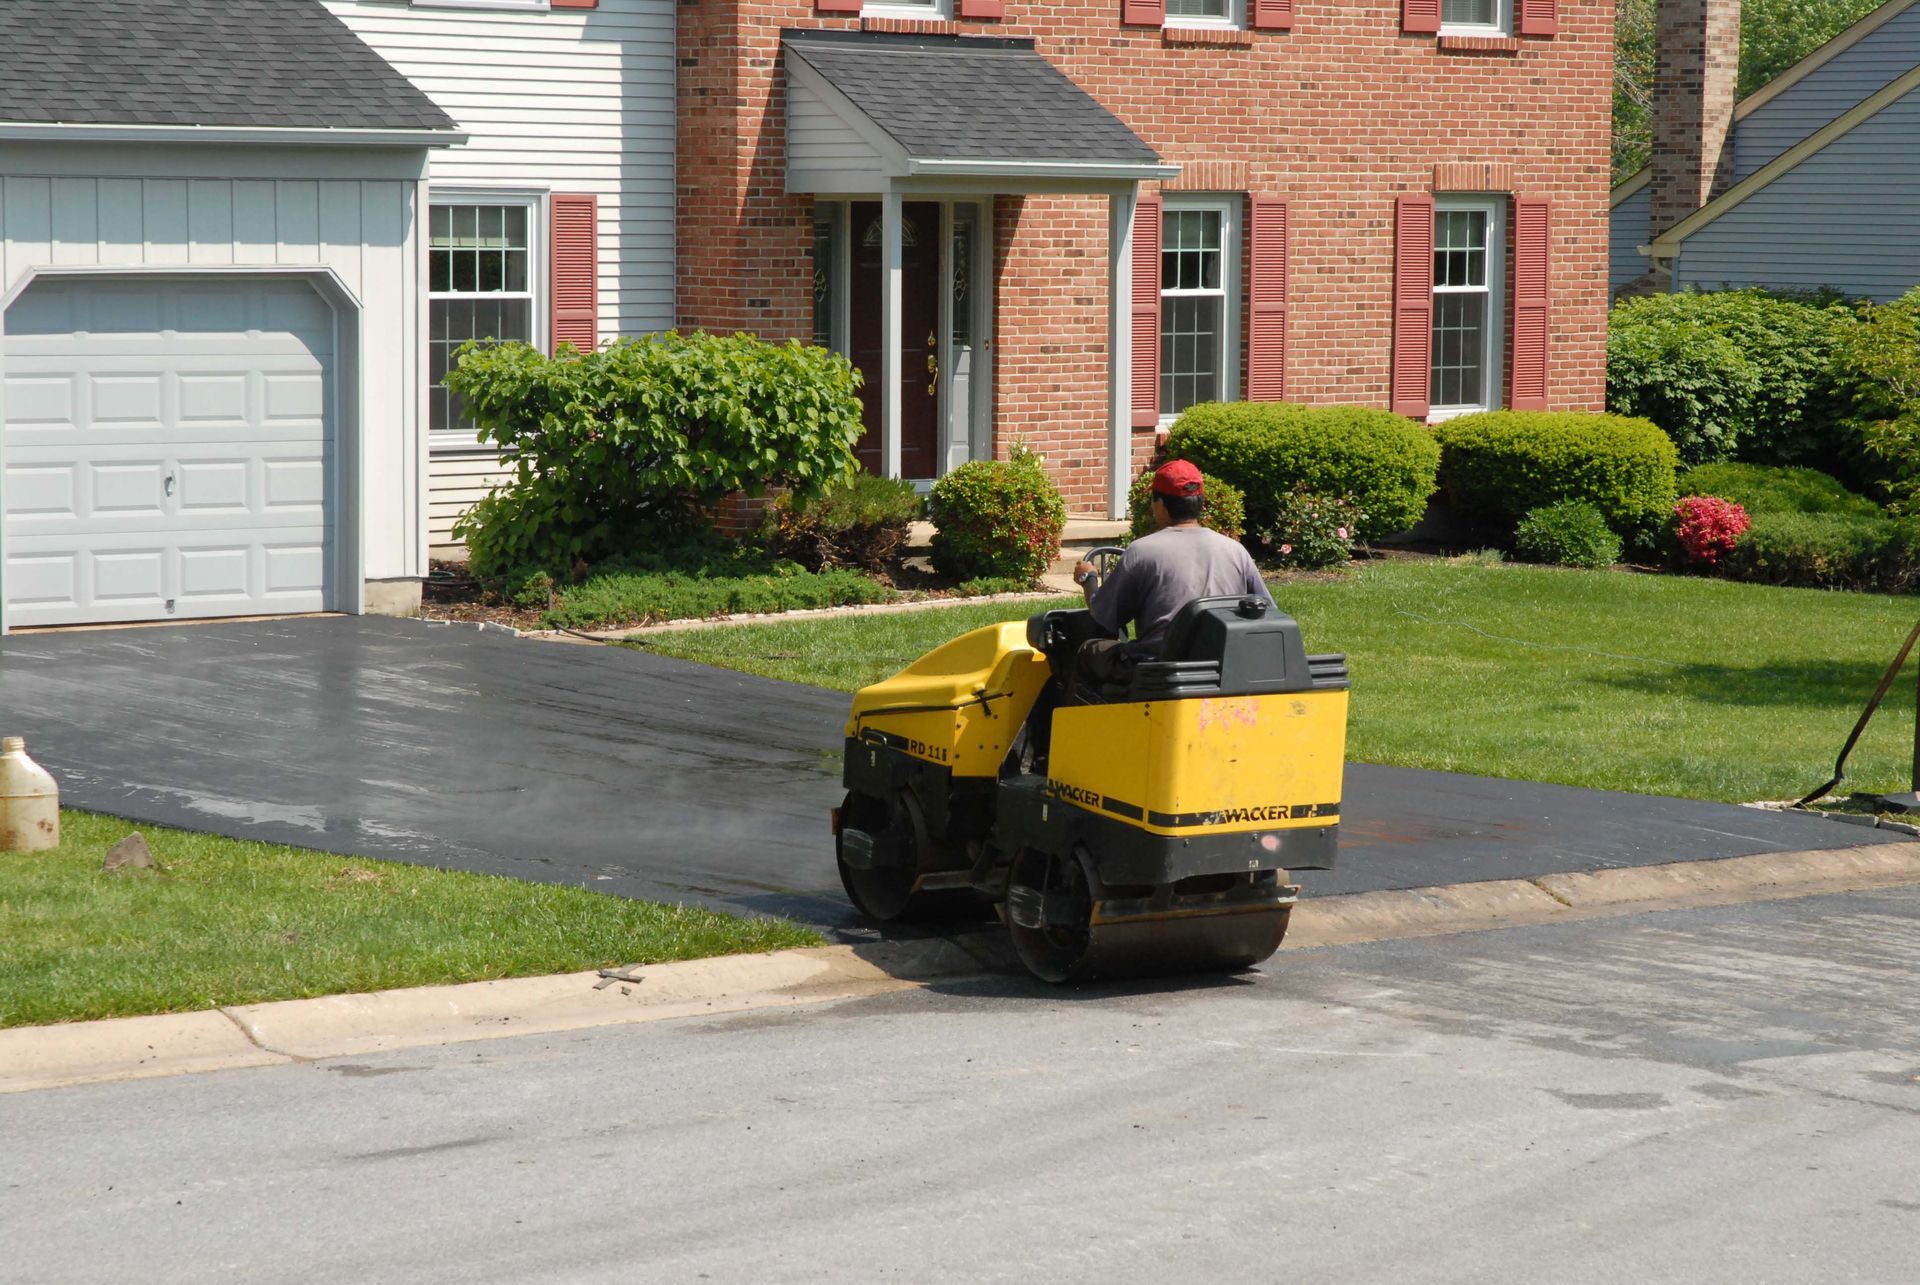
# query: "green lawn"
(226, 922)
(1659, 684)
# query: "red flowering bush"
(1708, 527)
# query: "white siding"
(1626, 233)
(1849, 77)
(458, 480)
(571, 100)
(1844, 217)
(353, 210)
(823, 151)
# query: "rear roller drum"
(1050, 918)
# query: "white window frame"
(1236, 19)
(935, 11)
(535, 201)
(1495, 208)
(521, 6)
(1501, 26)
(1229, 206)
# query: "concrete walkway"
(645, 776)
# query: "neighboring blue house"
(1820, 183)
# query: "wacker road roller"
(1151, 832)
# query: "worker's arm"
(1113, 605)
(1256, 585)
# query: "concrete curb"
(37, 1057)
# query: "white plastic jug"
(29, 801)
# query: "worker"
(1161, 573)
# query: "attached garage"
(212, 330)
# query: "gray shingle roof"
(260, 63)
(957, 96)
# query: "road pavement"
(1697, 1096)
(646, 776)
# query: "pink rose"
(1341, 532)
(1286, 548)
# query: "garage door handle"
(169, 484)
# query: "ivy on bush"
(1272, 450)
(996, 519)
(1498, 465)
(1708, 527)
(859, 523)
(1222, 507)
(1743, 371)
(1572, 533)
(614, 449)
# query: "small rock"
(131, 853)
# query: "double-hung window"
(1199, 297)
(1469, 264)
(930, 10)
(1206, 13)
(482, 278)
(1476, 17)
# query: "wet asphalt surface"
(645, 776)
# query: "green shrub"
(1381, 461)
(1572, 533)
(1222, 507)
(1737, 371)
(1497, 466)
(996, 519)
(1758, 488)
(861, 522)
(1311, 531)
(702, 578)
(1828, 551)
(616, 449)
(1878, 367)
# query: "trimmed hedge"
(996, 519)
(1759, 488)
(860, 523)
(1498, 465)
(1383, 463)
(1828, 551)
(1222, 507)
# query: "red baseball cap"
(1177, 478)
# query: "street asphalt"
(642, 775)
(1726, 1095)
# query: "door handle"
(933, 364)
(169, 484)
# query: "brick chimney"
(1696, 73)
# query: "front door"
(921, 286)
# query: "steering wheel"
(1103, 559)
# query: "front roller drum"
(1062, 934)
(881, 849)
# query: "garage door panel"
(167, 451)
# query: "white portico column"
(1120, 340)
(890, 337)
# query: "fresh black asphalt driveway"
(641, 775)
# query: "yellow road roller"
(1147, 826)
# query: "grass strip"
(1668, 685)
(221, 921)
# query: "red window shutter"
(983, 8)
(1420, 17)
(1273, 15)
(575, 271)
(1267, 306)
(1539, 17)
(837, 6)
(1144, 13)
(1412, 306)
(1146, 312)
(1532, 277)
(574, 4)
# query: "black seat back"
(1234, 645)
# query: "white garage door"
(169, 450)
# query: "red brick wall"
(1341, 114)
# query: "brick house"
(1380, 203)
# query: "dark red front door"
(919, 333)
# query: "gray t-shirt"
(1163, 572)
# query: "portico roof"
(869, 110)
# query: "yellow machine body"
(961, 705)
(1208, 765)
